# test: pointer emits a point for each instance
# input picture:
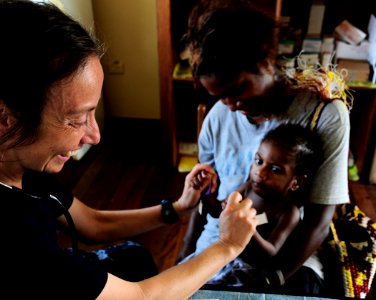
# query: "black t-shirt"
(33, 264)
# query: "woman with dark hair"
(50, 84)
(233, 55)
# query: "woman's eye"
(79, 123)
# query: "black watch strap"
(169, 215)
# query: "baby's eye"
(276, 169)
(258, 161)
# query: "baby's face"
(273, 170)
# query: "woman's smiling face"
(68, 121)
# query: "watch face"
(168, 212)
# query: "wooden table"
(224, 295)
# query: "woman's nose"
(92, 135)
(231, 103)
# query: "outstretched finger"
(234, 198)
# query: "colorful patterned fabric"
(353, 239)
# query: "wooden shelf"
(363, 129)
(179, 97)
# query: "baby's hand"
(223, 204)
(200, 180)
(201, 177)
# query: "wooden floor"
(126, 171)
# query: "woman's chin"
(57, 164)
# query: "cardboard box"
(349, 33)
(316, 17)
(327, 45)
(326, 59)
(357, 70)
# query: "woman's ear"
(6, 118)
(297, 182)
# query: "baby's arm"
(286, 224)
(242, 189)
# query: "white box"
(347, 51)
(372, 175)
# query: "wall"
(82, 10)
(129, 30)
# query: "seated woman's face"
(247, 93)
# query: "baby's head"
(287, 156)
(304, 146)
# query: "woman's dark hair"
(304, 145)
(226, 37)
(40, 46)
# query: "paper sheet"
(372, 45)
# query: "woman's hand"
(200, 179)
(237, 222)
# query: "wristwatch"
(169, 215)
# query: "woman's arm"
(113, 225)
(237, 224)
(306, 238)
